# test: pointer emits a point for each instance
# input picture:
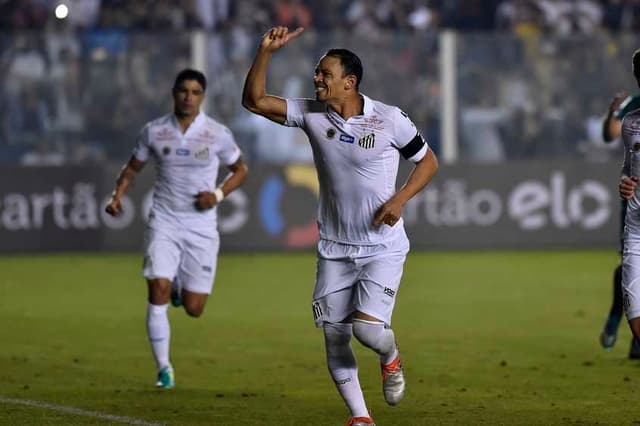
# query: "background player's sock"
(343, 367)
(376, 336)
(159, 333)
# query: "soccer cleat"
(634, 350)
(393, 383)
(166, 379)
(360, 421)
(176, 294)
(609, 332)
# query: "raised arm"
(125, 178)
(611, 125)
(254, 96)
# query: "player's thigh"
(333, 292)
(334, 307)
(162, 254)
(197, 270)
(376, 291)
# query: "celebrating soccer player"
(357, 143)
(181, 241)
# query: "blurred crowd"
(534, 76)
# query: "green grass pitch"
(488, 338)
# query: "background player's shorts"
(362, 278)
(187, 256)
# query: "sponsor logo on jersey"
(331, 132)
(389, 292)
(166, 150)
(347, 138)
(203, 154)
(164, 134)
(182, 152)
(367, 141)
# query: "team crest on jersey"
(166, 150)
(636, 147)
(331, 132)
(203, 154)
(367, 141)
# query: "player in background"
(627, 189)
(357, 143)
(620, 105)
(181, 238)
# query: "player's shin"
(159, 333)
(343, 367)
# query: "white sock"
(376, 336)
(343, 367)
(159, 333)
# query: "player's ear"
(350, 82)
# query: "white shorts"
(358, 278)
(179, 254)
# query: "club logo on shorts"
(166, 150)
(331, 132)
(626, 303)
(317, 310)
(389, 292)
(343, 382)
(206, 268)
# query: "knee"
(634, 324)
(368, 333)
(194, 310)
(337, 334)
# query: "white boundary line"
(78, 411)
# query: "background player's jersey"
(631, 165)
(357, 164)
(186, 163)
(631, 103)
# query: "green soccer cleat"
(609, 332)
(166, 379)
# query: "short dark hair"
(191, 74)
(351, 64)
(636, 65)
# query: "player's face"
(187, 97)
(329, 81)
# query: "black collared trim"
(413, 147)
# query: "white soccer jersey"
(186, 163)
(357, 164)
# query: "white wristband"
(219, 195)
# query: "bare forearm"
(255, 83)
(610, 128)
(419, 177)
(235, 178)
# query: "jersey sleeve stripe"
(413, 147)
